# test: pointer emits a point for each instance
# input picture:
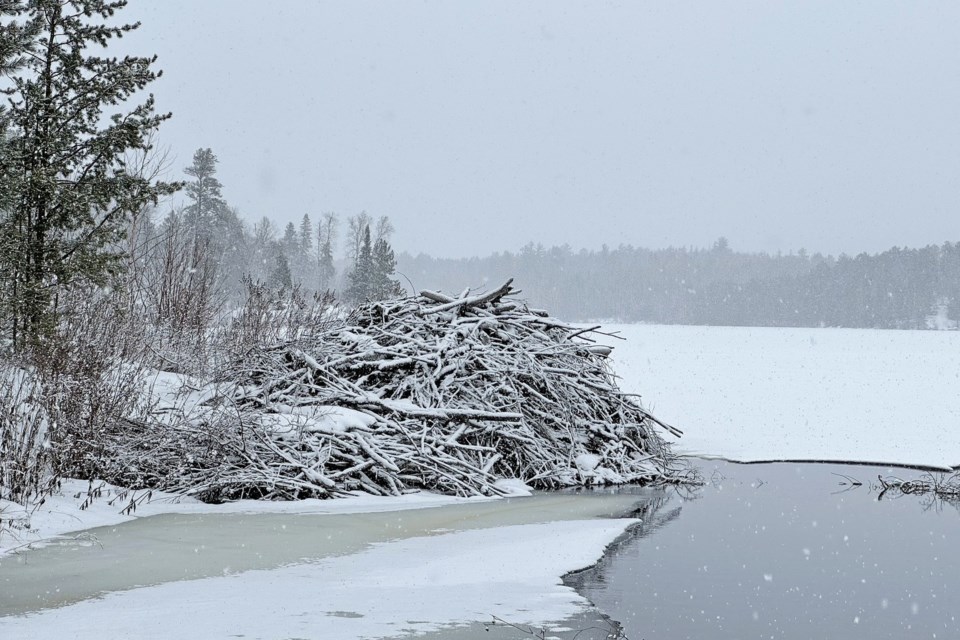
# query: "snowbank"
(61, 514)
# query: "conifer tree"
(306, 235)
(281, 276)
(384, 264)
(15, 43)
(362, 276)
(207, 207)
(290, 244)
(69, 130)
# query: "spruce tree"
(326, 271)
(362, 276)
(384, 264)
(214, 228)
(306, 235)
(290, 241)
(69, 130)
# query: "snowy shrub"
(91, 373)
(24, 436)
(270, 315)
(178, 297)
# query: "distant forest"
(896, 289)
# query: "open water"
(785, 551)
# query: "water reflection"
(784, 551)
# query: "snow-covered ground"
(751, 394)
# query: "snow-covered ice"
(751, 394)
(415, 584)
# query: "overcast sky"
(477, 127)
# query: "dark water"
(785, 551)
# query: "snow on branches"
(431, 391)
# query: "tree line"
(897, 289)
(231, 254)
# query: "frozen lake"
(750, 393)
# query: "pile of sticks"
(436, 392)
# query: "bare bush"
(92, 376)
(271, 315)
(25, 451)
(181, 297)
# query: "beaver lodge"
(451, 394)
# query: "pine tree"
(215, 225)
(63, 169)
(15, 43)
(207, 207)
(16, 40)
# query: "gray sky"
(476, 127)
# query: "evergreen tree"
(384, 264)
(326, 272)
(16, 40)
(281, 276)
(362, 276)
(290, 243)
(207, 206)
(63, 170)
(14, 45)
(215, 225)
(306, 235)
